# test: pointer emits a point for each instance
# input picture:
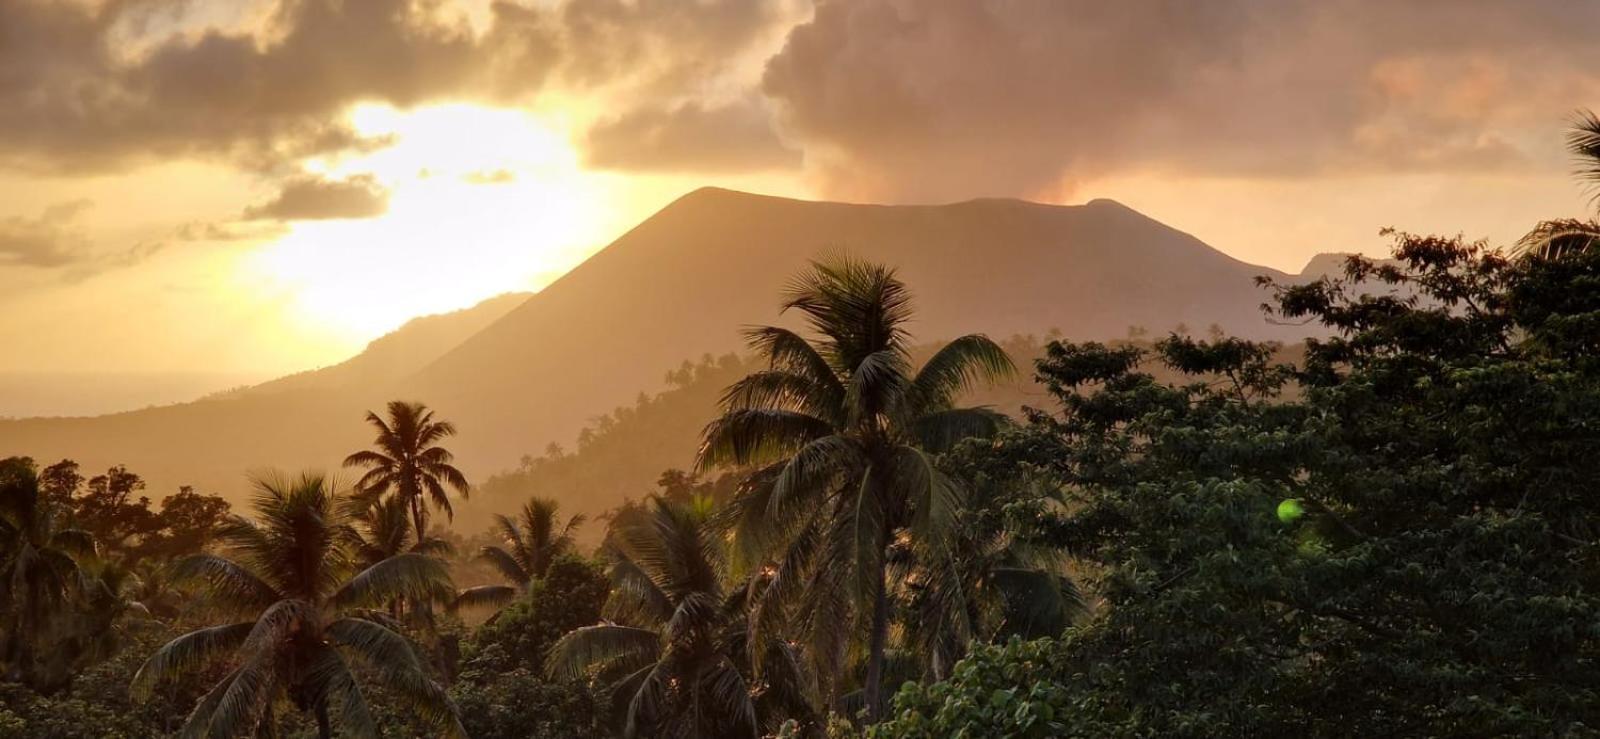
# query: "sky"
(263, 186)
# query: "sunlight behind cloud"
(482, 201)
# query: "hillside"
(682, 284)
(398, 354)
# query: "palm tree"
(378, 529)
(532, 541)
(306, 614)
(406, 462)
(994, 580)
(845, 428)
(675, 640)
(1551, 239)
(39, 572)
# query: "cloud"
(310, 198)
(210, 231)
(945, 99)
(689, 138)
(53, 239)
(77, 95)
(56, 241)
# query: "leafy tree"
(673, 652)
(38, 569)
(123, 523)
(107, 508)
(503, 690)
(999, 690)
(185, 525)
(97, 704)
(845, 429)
(294, 577)
(533, 540)
(1403, 545)
(60, 481)
(407, 462)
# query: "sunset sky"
(263, 186)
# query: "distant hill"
(682, 284)
(395, 355)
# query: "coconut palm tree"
(305, 614)
(378, 529)
(995, 579)
(845, 427)
(673, 650)
(1551, 239)
(39, 572)
(532, 541)
(407, 463)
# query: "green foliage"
(524, 704)
(98, 705)
(502, 691)
(1009, 691)
(1440, 578)
(570, 595)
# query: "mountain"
(680, 285)
(398, 354)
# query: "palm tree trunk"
(324, 726)
(879, 637)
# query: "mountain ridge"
(682, 284)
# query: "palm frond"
(509, 567)
(1583, 142)
(877, 385)
(328, 679)
(1038, 602)
(756, 436)
(398, 667)
(956, 367)
(940, 431)
(407, 575)
(582, 649)
(482, 596)
(228, 583)
(185, 653)
(933, 496)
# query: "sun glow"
(482, 201)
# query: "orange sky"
(263, 186)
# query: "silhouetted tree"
(846, 427)
(532, 541)
(293, 575)
(39, 570)
(672, 653)
(407, 463)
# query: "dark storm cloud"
(689, 138)
(72, 98)
(310, 198)
(941, 99)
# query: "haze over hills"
(680, 285)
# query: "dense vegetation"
(1387, 533)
